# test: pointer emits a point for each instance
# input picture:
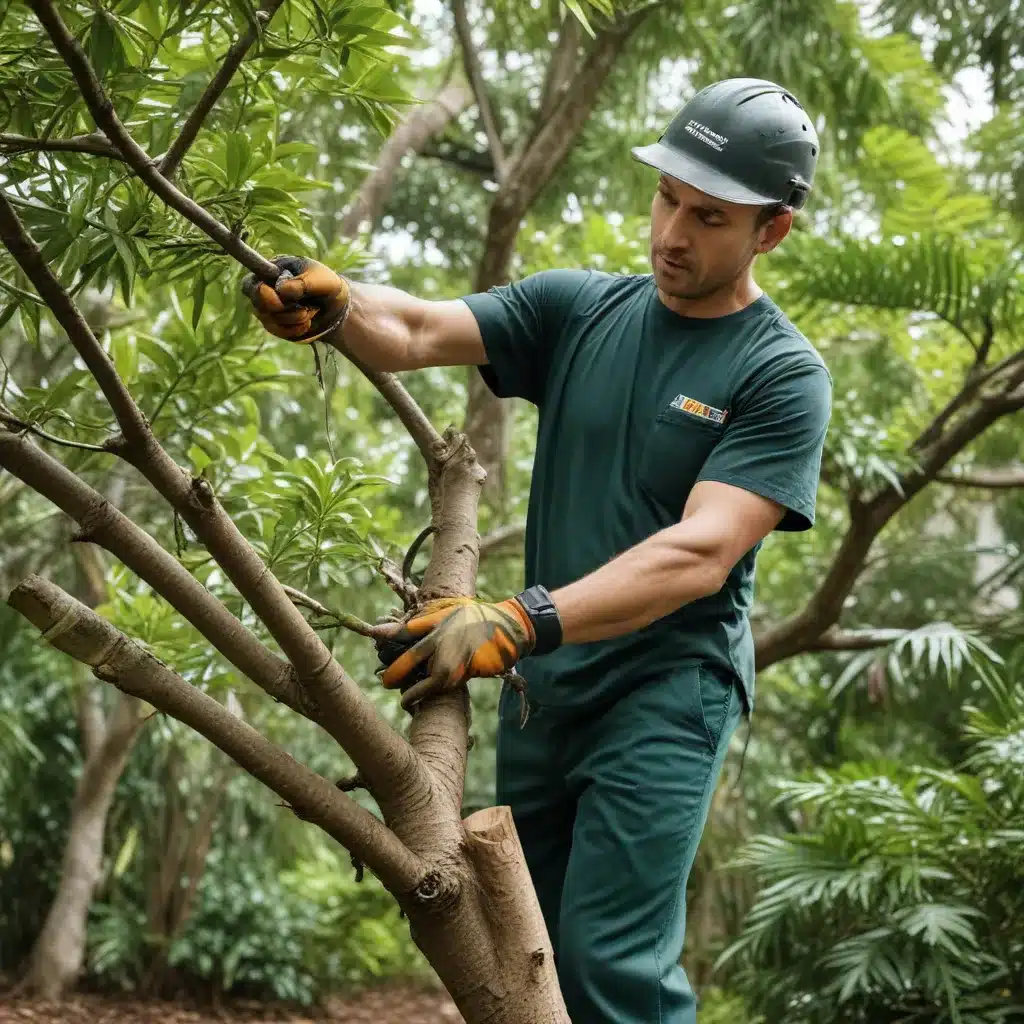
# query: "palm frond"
(931, 647)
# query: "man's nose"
(674, 235)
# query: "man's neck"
(730, 299)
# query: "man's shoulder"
(783, 347)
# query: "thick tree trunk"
(479, 924)
(59, 952)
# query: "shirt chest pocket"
(673, 454)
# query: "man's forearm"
(380, 327)
(671, 568)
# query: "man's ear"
(775, 231)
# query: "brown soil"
(393, 1004)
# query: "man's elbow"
(714, 572)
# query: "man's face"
(701, 245)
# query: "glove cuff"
(540, 609)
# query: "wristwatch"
(542, 613)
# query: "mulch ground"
(388, 1005)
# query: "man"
(682, 418)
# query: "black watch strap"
(547, 624)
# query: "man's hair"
(769, 212)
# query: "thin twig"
(338, 619)
(171, 160)
(10, 420)
(135, 156)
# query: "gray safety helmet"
(744, 140)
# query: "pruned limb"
(71, 627)
(516, 921)
(103, 524)
(102, 111)
(474, 72)
(95, 144)
(171, 160)
(346, 713)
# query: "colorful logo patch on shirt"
(707, 412)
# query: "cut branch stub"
(529, 964)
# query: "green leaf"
(199, 458)
(238, 152)
(198, 299)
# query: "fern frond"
(930, 274)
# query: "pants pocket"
(718, 700)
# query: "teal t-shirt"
(637, 404)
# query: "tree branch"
(471, 63)
(500, 536)
(95, 144)
(995, 479)
(101, 523)
(168, 166)
(135, 156)
(76, 630)
(377, 750)
(411, 135)
(869, 518)
(561, 68)
(552, 139)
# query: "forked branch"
(474, 72)
(980, 402)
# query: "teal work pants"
(610, 807)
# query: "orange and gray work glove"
(457, 639)
(307, 300)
